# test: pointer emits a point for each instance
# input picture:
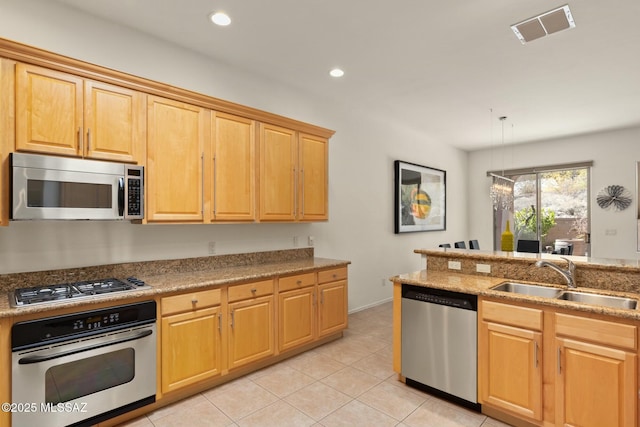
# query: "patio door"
(550, 205)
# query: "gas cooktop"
(63, 292)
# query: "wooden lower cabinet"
(588, 367)
(510, 365)
(596, 382)
(251, 324)
(191, 338)
(191, 347)
(332, 307)
(296, 317)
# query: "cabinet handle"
(88, 140)
(219, 322)
(254, 290)
(80, 142)
(215, 193)
(295, 193)
(299, 282)
(202, 184)
(559, 361)
(535, 354)
(232, 311)
(302, 187)
(194, 301)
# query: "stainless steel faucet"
(569, 274)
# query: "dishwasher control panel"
(440, 297)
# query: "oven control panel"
(52, 329)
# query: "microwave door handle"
(121, 196)
(43, 358)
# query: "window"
(551, 205)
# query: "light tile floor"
(348, 382)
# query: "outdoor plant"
(525, 222)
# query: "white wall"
(361, 156)
(614, 154)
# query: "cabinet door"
(233, 168)
(251, 334)
(332, 307)
(511, 369)
(48, 111)
(296, 317)
(595, 385)
(277, 173)
(313, 183)
(7, 135)
(114, 122)
(175, 162)
(190, 347)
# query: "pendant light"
(501, 190)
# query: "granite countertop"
(163, 282)
(480, 285)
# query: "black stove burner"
(42, 294)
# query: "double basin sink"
(575, 296)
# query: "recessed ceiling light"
(336, 72)
(220, 18)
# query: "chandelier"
(501, 191)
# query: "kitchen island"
(542, 361)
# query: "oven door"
(84, 381)
(62, 194)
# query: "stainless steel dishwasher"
(440, 343)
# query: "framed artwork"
(420, 198)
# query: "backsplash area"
(613, 275)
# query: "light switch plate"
(455, 265)
(483, 268)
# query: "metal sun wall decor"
(420, 198)
(614, 197)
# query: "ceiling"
(447, 69)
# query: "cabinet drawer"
(332, 275)
(296, 282)
(250, 290)
(190, 301)
(509, 314)
(597, 331)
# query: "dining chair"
(460, 245)
(473, 244)
(444, 245)
(531, 246)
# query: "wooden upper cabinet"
(293, 175)
(59, 113)
(49, 111)
(115, 121)
(177, 135)
(234, 166)
(278, 163)
(313, 181)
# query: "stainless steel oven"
(83, 368)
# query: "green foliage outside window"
(525, 222)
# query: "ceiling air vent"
(544, 24)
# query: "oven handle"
(43, 358)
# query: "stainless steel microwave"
(49, 187)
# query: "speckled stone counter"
(618, 280)
(168, 276)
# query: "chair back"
(531, 246)
(444, 245)
(460, 245)
(473, 244)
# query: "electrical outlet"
(483, 268)
(455, 265)
(610, 232)
(212, 248)
(311, 240)
(384, 282)
(295, 241)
